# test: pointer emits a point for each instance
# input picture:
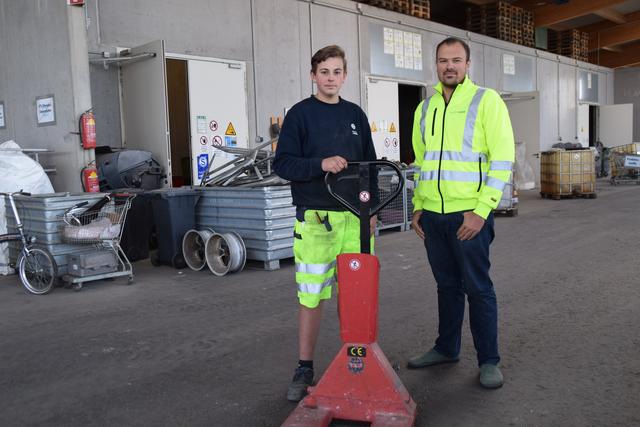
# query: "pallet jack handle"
(367, 175)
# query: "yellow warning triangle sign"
(392, 128)
(373, 127)
(230, 130)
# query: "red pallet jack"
(360, 384)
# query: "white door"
(218, 112)
(583, 124)
(616, 124)
(144, 104)
(383, 112)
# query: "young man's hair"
(332, 51)
(453, 40)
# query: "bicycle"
(36, 266)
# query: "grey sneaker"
(430, 358)
(490, 376)
(302, 379)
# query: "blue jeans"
(462, 267)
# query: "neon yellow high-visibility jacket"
(464, 150)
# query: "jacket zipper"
(444, 113)
(480, 173)
(433, 123)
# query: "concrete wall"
(627, 91)
(43, 51)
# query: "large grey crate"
(41, 217)
(263, 217)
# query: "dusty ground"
(187, 348)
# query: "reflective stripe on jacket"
(464, 150)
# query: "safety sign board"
(217, 141)
(230, 130)
(213, 125)
(392, 128)
(231, 141)
(203, 162)
(201, 122)
(203, 140)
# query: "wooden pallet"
(568, 196)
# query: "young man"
(464, 148)
(320, 134)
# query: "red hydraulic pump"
(88, 130)
(360, 384)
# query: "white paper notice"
(398, 41)
(417, 51)
(509, 64)
(408, 50)
(588, 80)
(388, 41)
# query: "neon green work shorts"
(315, 250)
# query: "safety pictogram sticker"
(203, 140)
(392, 129)
(373, 127)
(213, 125)
(395, 142)
(364, 196)
(387, 142)
(230, 130)
(354, 265)
(217, 141)
(355, 365)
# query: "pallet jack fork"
(360, 384)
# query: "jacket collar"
(465, 87)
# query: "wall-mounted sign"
(45, 110)
(3, 124)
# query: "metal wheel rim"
(37, 271)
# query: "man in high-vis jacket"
(464, 149)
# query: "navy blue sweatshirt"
(312, 131)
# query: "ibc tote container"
(567, 173)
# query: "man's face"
(329, 78)
(452, 64)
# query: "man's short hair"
(332, 51)
(453, 40)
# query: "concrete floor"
(189, 348)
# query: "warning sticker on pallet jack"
(355, 365)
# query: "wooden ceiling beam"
(550, 14)
(611, 15)
(614, 36)
(603, 25)
(630, 56)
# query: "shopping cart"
(101, 226)
(626, 168)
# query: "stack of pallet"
(503, 21)
(417, 8)
(571, 43)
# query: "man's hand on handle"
(334, 164)
(470, 227)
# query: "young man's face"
(452, 64)
(329, 78)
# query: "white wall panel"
(476, 71)
(547, 82)
(567, 102)
(493, 68)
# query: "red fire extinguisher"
(88, 130)
(90, 181)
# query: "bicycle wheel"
(38, 271)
